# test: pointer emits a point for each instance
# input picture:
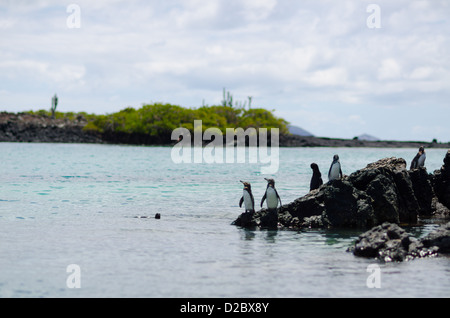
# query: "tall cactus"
(228, 101)
(227, 98)
(54, 105)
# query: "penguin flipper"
(414, 162)
(263, 198)
(241, 201)
(253, 201)
(278, 197)
(421, 160)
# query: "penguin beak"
(242, 181)
(266, 179)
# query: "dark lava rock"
(389, 242)
(26, 127)
(264, 219)
(441, 182)
(439, 238)
(384, 191)
(423, 190)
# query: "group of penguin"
(272, 197)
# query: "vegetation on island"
(160, 119)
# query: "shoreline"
(29, 128)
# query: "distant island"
(295, 130)
(367, 137)
(153, 125)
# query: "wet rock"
(314, 222)
(440, 210)
(441, 182)
(387, 242)
(346, 206)
(439, 238)
(383, 191)
(423, 190)
(264, 219)
(389, 186)
(247, 220)
(269, 219)
(407, 201)
(390, 243)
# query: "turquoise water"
(63, 204)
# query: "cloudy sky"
(318, 64)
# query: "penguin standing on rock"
(316, 180)
(419, 159)
(335, 171)
(247, 198)
(270, 219)
(271, 195)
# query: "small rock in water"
(389, 242)
(157, 216)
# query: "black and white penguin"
(316, 180)
(419, 159)
(271, 195)
(335, 171)
(247, 198)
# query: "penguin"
(419, 159)
(335, 171)
(271, 195)
(247, 198)
(316, 180)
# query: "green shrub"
(161, 119)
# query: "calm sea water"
(63, 204)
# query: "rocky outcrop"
(439, 238)
(389, 242)
(384, 191)
(441, 182)
(311, 141)
(28, 127)
(32, 128)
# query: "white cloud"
(356, 119)
(421, 73)
(335, 76)
(195, 13)
(258, 9)
(286, 54)
(389, 69)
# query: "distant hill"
(295, 130)
(367, 137)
